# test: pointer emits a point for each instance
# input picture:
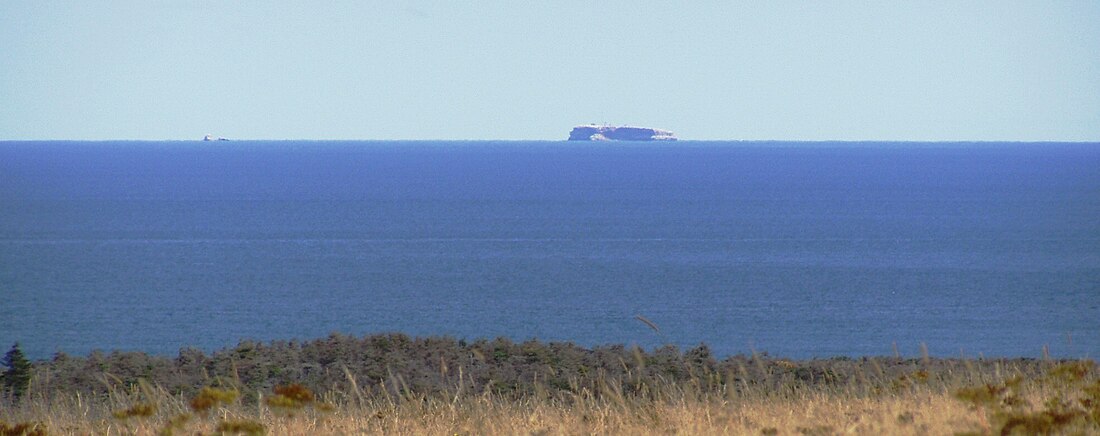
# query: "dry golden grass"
(1065, 400)
(919, 412)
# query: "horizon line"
(678, 140)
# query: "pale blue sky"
(875, 70)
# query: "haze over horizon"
(422, 70)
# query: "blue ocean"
(795, 249)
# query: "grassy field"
(498, 387)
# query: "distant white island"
(214, 138)
(593, 132)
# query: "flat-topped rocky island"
(593, 132)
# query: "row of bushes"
(396, 363)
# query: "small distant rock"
(593, 132)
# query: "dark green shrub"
(17, 376)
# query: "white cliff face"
(593, 132)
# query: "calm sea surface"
(797, 249)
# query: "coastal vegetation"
(16, 378)
(393, 383)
